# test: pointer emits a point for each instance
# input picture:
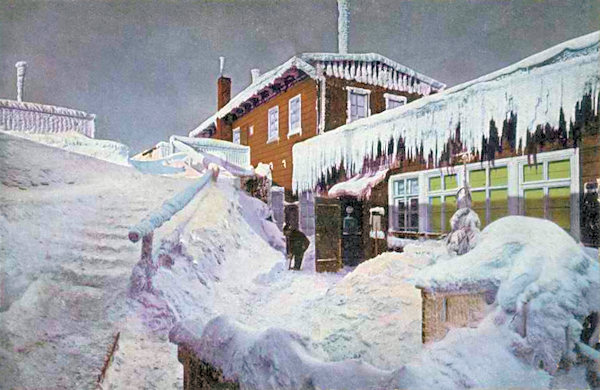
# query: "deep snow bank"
(209, 255)
(272, 359)
(71, 141)
(534, 262)
(65, 260)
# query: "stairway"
(66, 260)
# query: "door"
(327, 228)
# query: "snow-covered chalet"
(525, 138)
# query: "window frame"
(297, 130)
(406, 198)
(545, 184)
(271, 137)
(395, 98)
(442, 193)
(237, 132)
(359, 92)
(514, 187)
(488, 188)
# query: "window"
(295, 120)
(236, 135)
(406, 204)
(489, 192)
(358, 103)
(441, 193)
(273, 124)
(251, 130)
(546, 190)
(393, 101)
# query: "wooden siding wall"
(462, 309)
(278, 151)
(336, 100)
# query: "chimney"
(21, 68)
(223, 97)
(255, 73)
(343, 26)
(223, 87)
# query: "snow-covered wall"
(535, 89)
(41, 118)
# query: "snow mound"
(373, 313)
(72, 141)
(272, 359)
(256, 212)
(534, 262)
(207, 257)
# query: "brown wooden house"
(306, 96)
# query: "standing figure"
(297, 243)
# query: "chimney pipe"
(221, 65)
(255, 74)
(343, 26)
(21, 68)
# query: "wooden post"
(147, 249)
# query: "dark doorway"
(352, 231)
(327, 229)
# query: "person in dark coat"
(297, 243)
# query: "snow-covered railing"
(534, 89)
(41, 118)
(168, 209)
(226, 151)
(160, 166)
(205, 158)
(588, 352)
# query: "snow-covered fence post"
(21, 69)
(147, 249)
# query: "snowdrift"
(363, 331)
(534, 262)
(272, 359)
(72, 141)
(65, 260)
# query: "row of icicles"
(376, 74)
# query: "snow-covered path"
(66, 260)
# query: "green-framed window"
(546, 190)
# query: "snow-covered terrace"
(43, 118)
(535, 88)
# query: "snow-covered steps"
(66, 260)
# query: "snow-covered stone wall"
(534, 89)
(41, 118)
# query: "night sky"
(148, 69)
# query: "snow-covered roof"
(359, 186)
(535, 89)
(307, 63)
(372, 57)
(261, 82)
(44, 108)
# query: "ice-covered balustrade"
(41, 118)
(535, 89)
(169, 208)
(232, 153)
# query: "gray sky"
(148, 69)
